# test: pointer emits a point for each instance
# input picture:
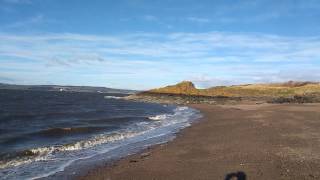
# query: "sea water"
(44, 133)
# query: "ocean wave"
(177, 111)
(181, 108)
(57, 132)
(115, 120)
(42, 153)
(113, 97)
(159, 117)
(179, 115)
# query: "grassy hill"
(287, 89)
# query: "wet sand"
(263, 141)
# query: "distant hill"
(185, 87)
(286, 89)
(65, 88)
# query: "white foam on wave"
(42, 153)
(181, 108)
(112, 97)
(21, 161)
(177, 111)
(158, 117)
(180, 118)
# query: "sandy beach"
(265, 141)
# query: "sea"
(57, 135)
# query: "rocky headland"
(186, 93)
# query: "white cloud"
(150, 18)
(214, 46)
(198, 20)
(207, 81)
(212, 58)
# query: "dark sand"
(262, 141)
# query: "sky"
(143, 44)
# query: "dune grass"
(288, 89)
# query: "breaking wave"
(158, 117)
(113, 97)
(42, 153)
(180, 118)
(52, 132)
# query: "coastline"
(264, 141)
(143, 153)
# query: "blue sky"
(141, 44)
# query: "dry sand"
(252, 141)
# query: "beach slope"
(265, 141)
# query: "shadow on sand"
(236, 176)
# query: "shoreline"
(140, 154)
(173, 123)
(265, 141)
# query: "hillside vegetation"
(288, 89)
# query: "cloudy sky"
(141, 44)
